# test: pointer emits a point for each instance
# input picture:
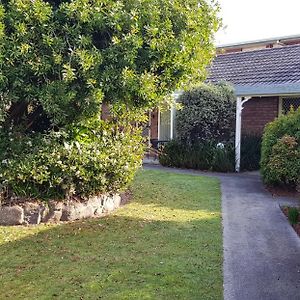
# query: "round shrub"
(280, 162)
(208, 114)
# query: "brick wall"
(257, 113)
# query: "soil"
(296, 227)
(283, 191)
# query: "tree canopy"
(62, 59)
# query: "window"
(167, 125)
(286, 104)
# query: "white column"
(238, 126)
(238, 130)
(172, 122)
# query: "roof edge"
(259, 41)
(267, 90)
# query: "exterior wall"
(154, 125)
(257, 113)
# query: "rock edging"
(36, 212)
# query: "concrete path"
(261, 250)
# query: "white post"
(172, 123)
(238, 130)
(158, 124)
(238, 126)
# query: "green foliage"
(280, 162)
(293, 215)
(201, 156)
(250, 152)
(60, 61)
(208, 113)
(83, 160)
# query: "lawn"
(165, 244)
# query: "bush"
(82, 160)
(201, 156)
(293, 215)
(250, 152)
(208, 114)
(62, 61)
(280, 162)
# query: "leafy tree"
(60, 61)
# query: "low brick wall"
(35, 212)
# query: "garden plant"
(61, 62)
(280, 162)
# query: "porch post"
(238, 127)
(172, 123)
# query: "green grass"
(165, 244)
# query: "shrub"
(250, 152)
(82, 160)
(280, 162)
(201, 156)
(61, 61)
(293, 215)
(208, 114)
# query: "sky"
(247, 20)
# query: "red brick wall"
(257, 113)
(154, 124)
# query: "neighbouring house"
(266, 81)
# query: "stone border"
(36, 212)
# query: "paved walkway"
(261, 250)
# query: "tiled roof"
(275, 66)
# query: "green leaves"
(280, 161)
(208, 114)
(60, 60)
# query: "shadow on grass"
(166, 244)
(115, 258)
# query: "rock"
(117, 200)
(109, 204)
(54, 212)
(33, 212)
(11, 215)
(76, 210)
(96, 204)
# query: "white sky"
(248, 20)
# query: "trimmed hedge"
(280, 162)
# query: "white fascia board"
(267, 90)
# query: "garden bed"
(296, 226)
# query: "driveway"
(261, 250)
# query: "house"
(266, 83)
